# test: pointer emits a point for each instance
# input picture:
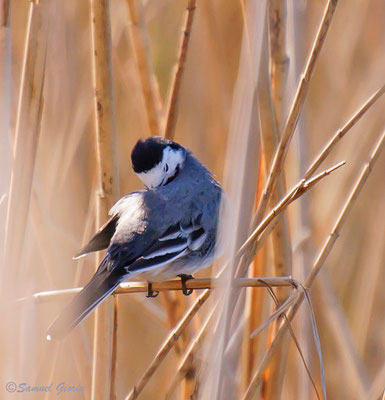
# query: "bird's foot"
(150, 292)
(184, 278)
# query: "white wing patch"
(196, 239)
(174, 244)
(167, 247)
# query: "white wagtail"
(166, 230)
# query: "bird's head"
(157, 161)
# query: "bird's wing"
(101, 239)
(175, 242)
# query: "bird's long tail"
(101, 285)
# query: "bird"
(167, 230)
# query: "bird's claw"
(150, 292)
(183, 279)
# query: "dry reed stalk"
(173, 95)
(27, 131)
(140, 43)
(325, 251)
(268, 104)
(174, 306)
(142, 287)
(168, 345)
(295, 110)
(279, 61)
(109, 185)
(302, 223)
(343, 131)
(257, 307)
(4, 14)
(5, 107)
(271, 93)
(258, 311)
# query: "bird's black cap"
(148, 153)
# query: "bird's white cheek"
(152, 178)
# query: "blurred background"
(57, 182)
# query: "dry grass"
(267, 94)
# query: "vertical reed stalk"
(140, 43)
(272, 117)
(279, 61)
(173, 95)
(5, 106)
(257, 306)
(103, 366)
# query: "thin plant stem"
(296, 192)
(343, 131)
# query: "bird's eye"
(166, 168)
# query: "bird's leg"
(150, 292)
(184, 278)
